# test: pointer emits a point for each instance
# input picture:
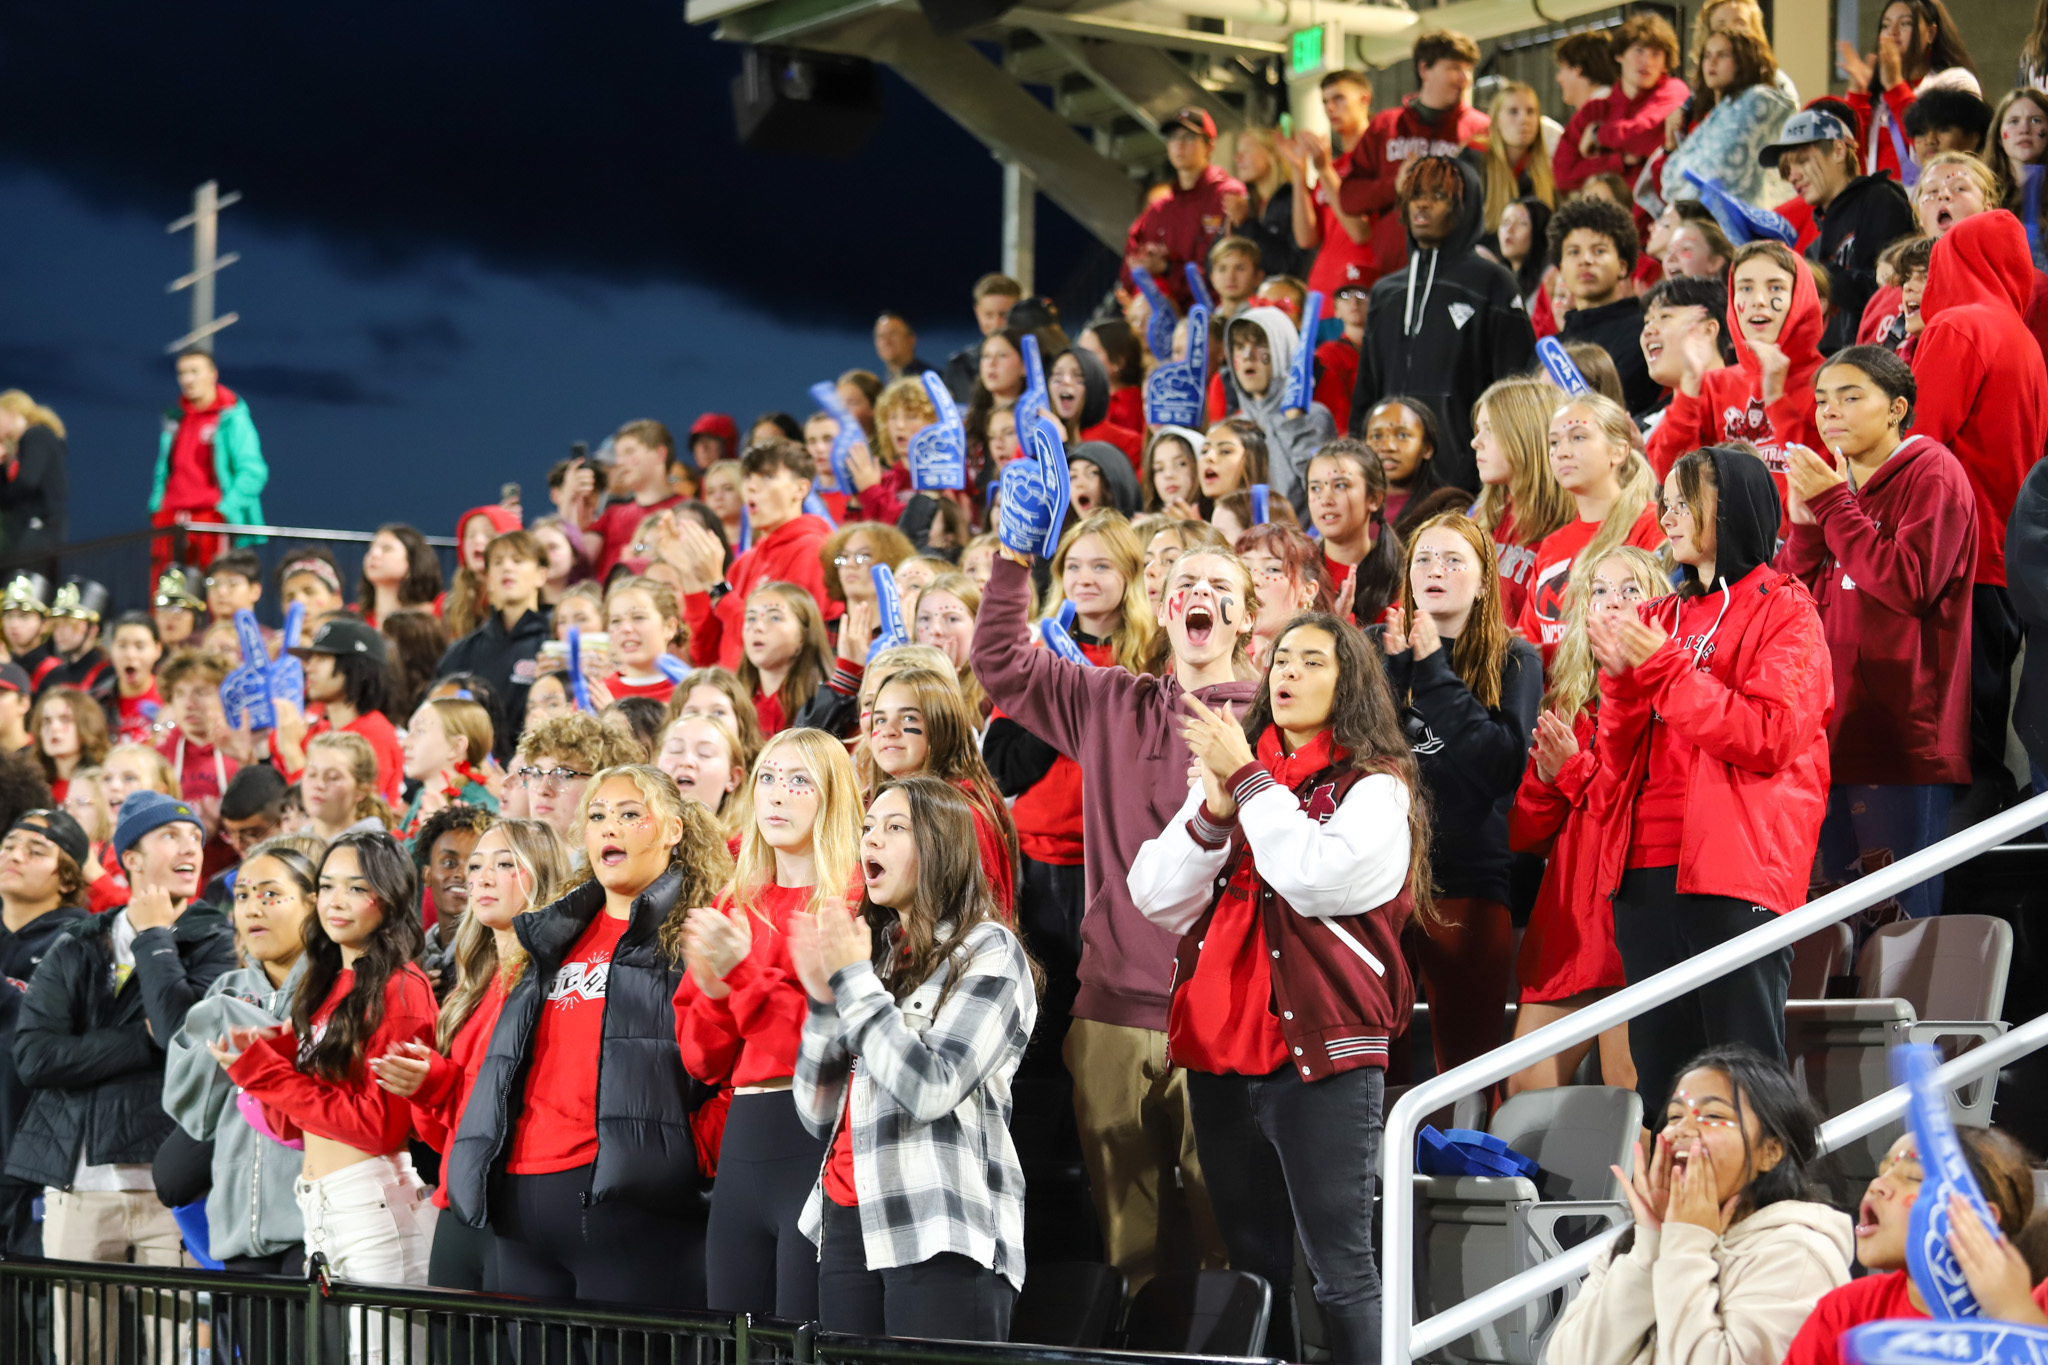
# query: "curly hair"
(583, 740)
(1594, 215)
(746, 719)
(700, 852)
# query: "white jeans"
(373, 1223)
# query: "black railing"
(91, 1313)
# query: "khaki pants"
(121, 1228)
(1138, 1142)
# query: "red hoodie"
(1983, 385)
(1889, 566)
(1187, 223)
(1731, 406)
(191, 479)
(788, 554)
(1629, 126)
(1393, 138)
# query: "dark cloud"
(431, 340)
(305, 384)
(545, 135)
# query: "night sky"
(470, 235)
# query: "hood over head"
(1119, 480)
(1800, 337)
(502, 519)
(1746, 515)
(1281, 339)
(1095, 387)
(1983, 259)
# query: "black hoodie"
(1443, 328)
(1746, 513)
(1868, 215)
(2026, 577)
(1119, 480)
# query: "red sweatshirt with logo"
(1393, 138)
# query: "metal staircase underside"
(1114, 71)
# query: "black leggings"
(756, 1261)
(947, 1296)
(550, 1246)
(1656, 927)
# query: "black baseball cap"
(60, 829)
(346, 635)
(14, 678)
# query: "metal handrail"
(1402, 1339)
(231, 528)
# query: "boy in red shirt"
(1620, 131)
(776, 478)
(641, 452)
(135, 650)
(1185, 222)
(1434, 121)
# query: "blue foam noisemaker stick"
(890, 604)
(1945, 1171)
(672, 668)
(1743, 222)
(1563, 372)
(1044, 443)
(746, 532)
(826, 396)
(1916, 1341)
(579, 690)
(1061, 643)
(1261, 504)
(1301, 380)
(1198, 288)
(938, 451)
(814, 505)
(1175, 389)
(1159, 330)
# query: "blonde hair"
(538, 850)
(813, 661)
(1268, 141)
(663, 599)
(969, 592)
(903, 395)
(738, 750)
(1989, 181)
(468, 722)
(699, 853)
(1574, 673)
(1519, 412)
(1503, 185)
(1638, 481)
(161, 777)
(835, 833)
(362, 768)
(1481, 650)
(19, 403)
(93, 782)
(1240, 653)
(1131, 644)
(746, 717)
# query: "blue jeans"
(1868, 828)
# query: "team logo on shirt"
(1515, 561)
(1548, 599)
(1750, 423)
(580, 981)
(1406, 148)
(1461, 313)
(1322, 803)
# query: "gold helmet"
(179, 587)
(27, 592)
(81, 599)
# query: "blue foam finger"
(1061, 643)
(1558, 362)
(1916, 1341)
(1945, 1171)
(579, 690)
(255, 688)
(1261, 504)
(672, 668)
(1068, 611)
(938, 451)
(1026, 515)
(1301, 380)
(1742, 221)
(1176, 389)
(1159, 330)
(1198, 288)
(826, 396)
(1044, 445)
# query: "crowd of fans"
(1213, 711)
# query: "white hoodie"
(1682, 1296)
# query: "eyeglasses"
(853, 561)
(551, 779)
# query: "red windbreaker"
(788, 554)
(1570, 946)
(1889, 566)
(1983, 385)
(1393, 138)
(1628, 127)
(1753, 720)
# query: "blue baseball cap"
(144, 811)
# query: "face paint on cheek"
(1223, 605)
(1177, 604)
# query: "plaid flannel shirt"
(932, 1157)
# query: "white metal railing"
(235, 528)
(1402, 1339)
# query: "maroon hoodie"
(1983, 386)
(1889, 566)
(1124, 731)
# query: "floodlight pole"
(204, 220)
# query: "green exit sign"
(1314, 50)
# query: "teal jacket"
(237, 463)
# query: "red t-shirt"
(382, 737)
(1873, 1298)
(558, 1130)
(1222, 1021)
(138, 715)
(1517, 564)
(839, 1187)
(1542, 622)
(191, 480)
(202, 770)
(661, 689)
(618, 524)
(1339, 260)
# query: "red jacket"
(1879, 152)
(1983, 384)
(1188, 222)
(358, 1112)
(1336, 377)
(1629, 127)
(788, 554)
(1889, 567)
(1570, 944)
(1391, 140)
(1048, 815)
(1339, 260)
(437, 1105)
(1731, 403)
(1754, 716)
(1889, 298)
(750, 1035)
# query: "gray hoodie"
(1291, 442)
(252, 1209)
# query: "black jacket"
(87, 1052)
(20, 953)
(1442, 329)
(505, 660)
(1868, 215)
(1617, 328)
(2026, 577)
(645, 1151)
(1272, 227)
(1472, 760)
(35, 502)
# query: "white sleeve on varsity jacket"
(1355, 861)
(1173, 878)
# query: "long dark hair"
(422, 581)
(337, 1053)
(1384, 568)
(367, 685)
(951, 752)
(1366, 724)
(1428, 475)
(952, 890)
(1783, 1111)
(1948, 48)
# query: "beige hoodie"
(1682, 1296)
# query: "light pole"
(204, 220)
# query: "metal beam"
(1020, 226)
(1043, 21)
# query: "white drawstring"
(1410, 314)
